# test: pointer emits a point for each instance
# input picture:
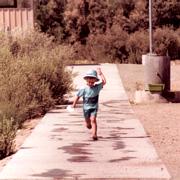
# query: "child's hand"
(98, 70)
(103, 79)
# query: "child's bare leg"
(94, 127)
(88, 123)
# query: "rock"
(142, 96)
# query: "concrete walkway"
(60, 147)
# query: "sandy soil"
(160, 120)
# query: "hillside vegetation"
(112, 30)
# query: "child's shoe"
(89, 126)
(95, 138)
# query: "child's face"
(90, 81)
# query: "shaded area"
(58, 173)
(80, 159)
(118, 145)
(172, 96)
(114, 103)
(60, 129)
(56, 137)
(121, 159)
(22, 147)
(79, 151)
(76, 148)
(130, 137)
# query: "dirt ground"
(160, 120)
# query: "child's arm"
(103, 79)
(75, 101)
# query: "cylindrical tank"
(157, 70)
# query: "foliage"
(166, 42)
(111, 45)
(85, 17)
(137, 45)
(33, 77)
(50, 19)
(7, 134)
(80, 22)
(166, 13)
(138, 18)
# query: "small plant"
(137, 44)
(8, 131)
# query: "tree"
(85, 23)
(50, 18)
(84, 17)
(75, 16)
(166, 13)
(138, 18)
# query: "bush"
(108, 47)
(166, 41)
(33, 76)
(7, 134)
(137, 45)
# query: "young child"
(90, 94)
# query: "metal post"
(150, 28)
(157, 68)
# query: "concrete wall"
(16, 19)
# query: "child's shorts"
(89, 112)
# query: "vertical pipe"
(150, 28)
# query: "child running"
(90, 95)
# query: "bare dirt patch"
(160, 120)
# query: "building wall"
(16, 19)
(8, 3)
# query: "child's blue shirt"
(90, 96)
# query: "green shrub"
(33, 75)
(166, 41)
(33, 78)
(137, 45)
(107, 47)
(115, 44)
(8, 131)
